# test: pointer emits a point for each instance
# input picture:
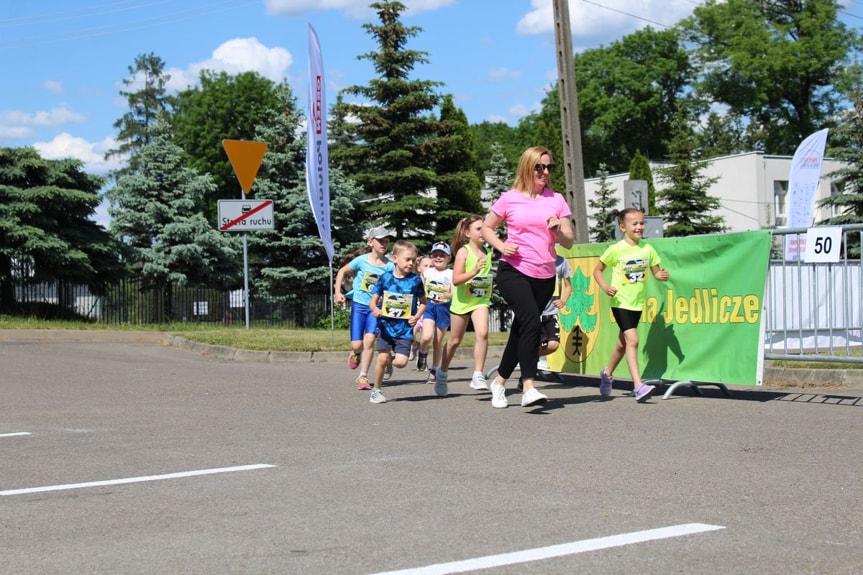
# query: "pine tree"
(146, 106)
(458, 187)
(291, 258)
(156, 213)
(46, 209)
(849, 133)
(394, 129)
(603, 204)
(499, 178)
(684, 202)
(639, 169)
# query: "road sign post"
(246, 158)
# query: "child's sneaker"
(414, 348)
(432, 376)
(377, 396)
(354, 360)
(606, 382)
(643, 392)
(421, 361)
(363, 382)
(440, 383)
(388, 371)
(478, 381)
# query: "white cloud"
(503, 73)
(92, 154)
(608, 19)
(53, 86)
(15, 124)
(234, 57)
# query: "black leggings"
(527, 298)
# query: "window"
(780, 202)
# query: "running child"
(436, 319)
(423, 264)
(629, 260)
(368, 268)
(398, 303)
(471, 276)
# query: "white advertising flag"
(802, 183)
(317, 166)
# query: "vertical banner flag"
(802, 183)
(317, 166)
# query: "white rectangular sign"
(823, 245)
(245, 215)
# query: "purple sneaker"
(605, 384)
(643, 392)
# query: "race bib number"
(369, 281)
(397, 305)
(438, 291)
(479, 286)
(634, 271)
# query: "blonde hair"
(403, 246)
(526, 167)
(459, 237)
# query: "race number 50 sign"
(823, 245)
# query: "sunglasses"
(540, 168)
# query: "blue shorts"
(439, 313)
(362, 321)
(398, 345)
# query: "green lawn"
(262, 339)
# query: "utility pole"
(570, 127)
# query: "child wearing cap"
(436, 319)
(368, 269)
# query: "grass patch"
(256, 339)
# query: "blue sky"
(63, 62)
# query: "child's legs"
(458, 325)
(401, 350)
(550, 334)
(428, 333)
(359, 315)
(479, 316)
(384, 355)
(439, 349)
(627, 343)
(442, 323)
(371, 325)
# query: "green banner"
(702, 325)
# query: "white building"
(752, 189)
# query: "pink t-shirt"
(527, 226)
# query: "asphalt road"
(126, 456)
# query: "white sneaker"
(478, 381)
(377, 396)
(533, 397)
(498, 396)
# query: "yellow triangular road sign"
(246, 158)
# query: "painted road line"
(541, 553)
(15, 434)
(135, 479)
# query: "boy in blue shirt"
(398, 302)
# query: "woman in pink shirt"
(536, 218)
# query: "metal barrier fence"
(812, 311)
(127, 302)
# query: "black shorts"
(626, 318)
(549, 329)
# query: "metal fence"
(812, 311)
(129, 303)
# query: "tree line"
(735, 76)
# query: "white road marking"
(541, 553)
(134, 479)
(16, 434)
